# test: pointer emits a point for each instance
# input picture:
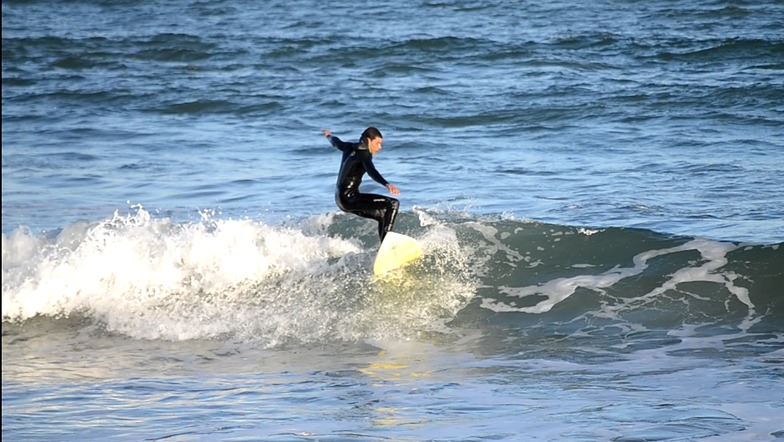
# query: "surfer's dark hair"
(371, 133)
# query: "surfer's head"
(372, 138)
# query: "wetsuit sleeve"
(337, 143)
(370, 168)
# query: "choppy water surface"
(597, 187)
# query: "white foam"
(155, 279)
(130, 261)
(496, 245)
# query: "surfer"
(358, 160)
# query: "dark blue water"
(597, 187)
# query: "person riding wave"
(356, 162)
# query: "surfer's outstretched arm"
(335, 141)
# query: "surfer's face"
(374, 145)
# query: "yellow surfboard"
(396, 251)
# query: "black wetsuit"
(357, 160)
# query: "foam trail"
(557, 290)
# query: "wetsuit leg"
(389, 216)
(380, 208)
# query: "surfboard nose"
(396, 251)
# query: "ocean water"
(598, 188)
